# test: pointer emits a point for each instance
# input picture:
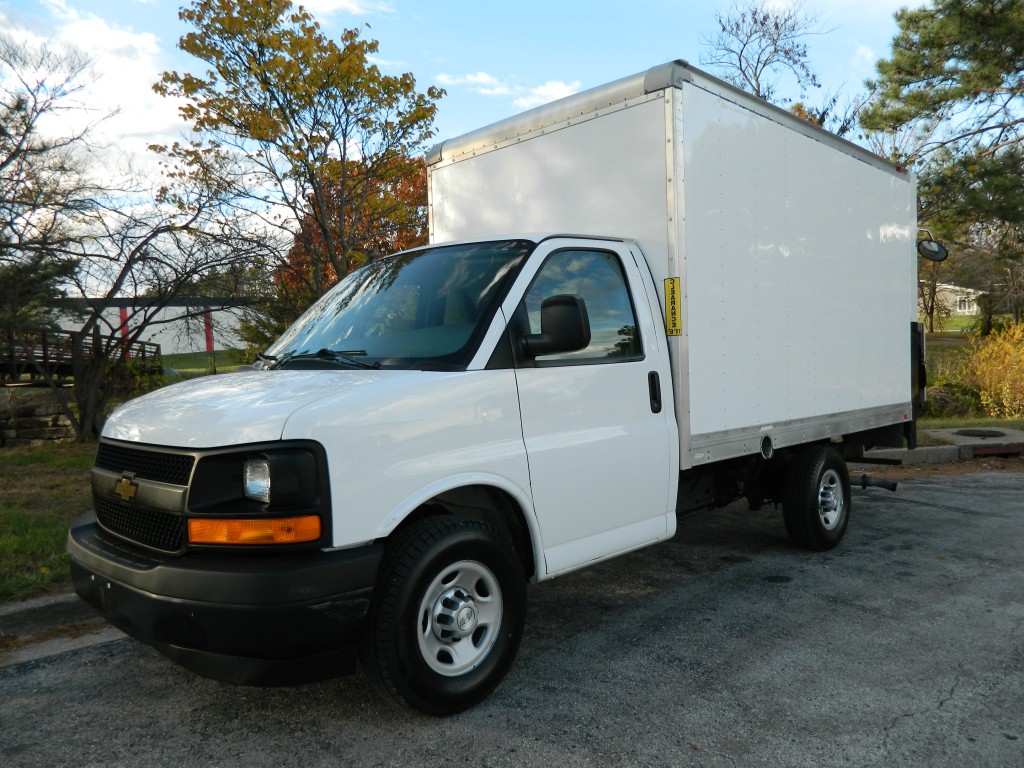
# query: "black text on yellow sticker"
(673, 315)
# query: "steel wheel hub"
(454, 615)
(459, 618)
(830, 500)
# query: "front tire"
(816, 506)
(447, 616)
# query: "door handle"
(654, 386)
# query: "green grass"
(200, 363)
(957, 323)
(965, 422)
(42, 489)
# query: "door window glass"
(597, 277)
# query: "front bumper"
(250, 619)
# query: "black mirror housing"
(564, 327)
(932, 250)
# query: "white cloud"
(864, 58)
(478, 82)
(550, 91)
(325, 8)
(525, 98)
(115, 101)
(60, 9)
(125, 65)
(388, 64)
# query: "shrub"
(995, 367)
(951, 399)
(949, 396)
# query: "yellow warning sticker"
(673, 314)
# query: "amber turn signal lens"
(282, 530)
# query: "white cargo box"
(793, 249)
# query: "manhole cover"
(980, 433)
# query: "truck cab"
(507, 391)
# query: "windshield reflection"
(424, 308)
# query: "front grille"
(173, 468)
(149, 527)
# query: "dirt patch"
(9, 644)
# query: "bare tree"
(98, 243)
(758, 43)
(152, 253)
(839, 117)
(45, 188)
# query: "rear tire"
(447, 616)
(816, 505)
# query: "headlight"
(256, 479)
(281, 479)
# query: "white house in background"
(185, 325)
(955, 299)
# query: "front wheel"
(816, 506)
(448, 615)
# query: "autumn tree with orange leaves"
(320, 144)
(390, 216)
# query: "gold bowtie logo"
(125, 487)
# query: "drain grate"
(980, 433)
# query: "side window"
(598, 278)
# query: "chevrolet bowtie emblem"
(126, 487)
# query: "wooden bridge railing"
(34, 355)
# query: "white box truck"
(716, 301)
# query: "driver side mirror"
(564, 327)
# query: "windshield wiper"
(344, 356)
(347, 356)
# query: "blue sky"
(493, 63)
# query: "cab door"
(598, 422)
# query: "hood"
(230, 409)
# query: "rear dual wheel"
(447, 616)
(816, 505)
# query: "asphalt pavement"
(725, 646)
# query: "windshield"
(427, 308)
